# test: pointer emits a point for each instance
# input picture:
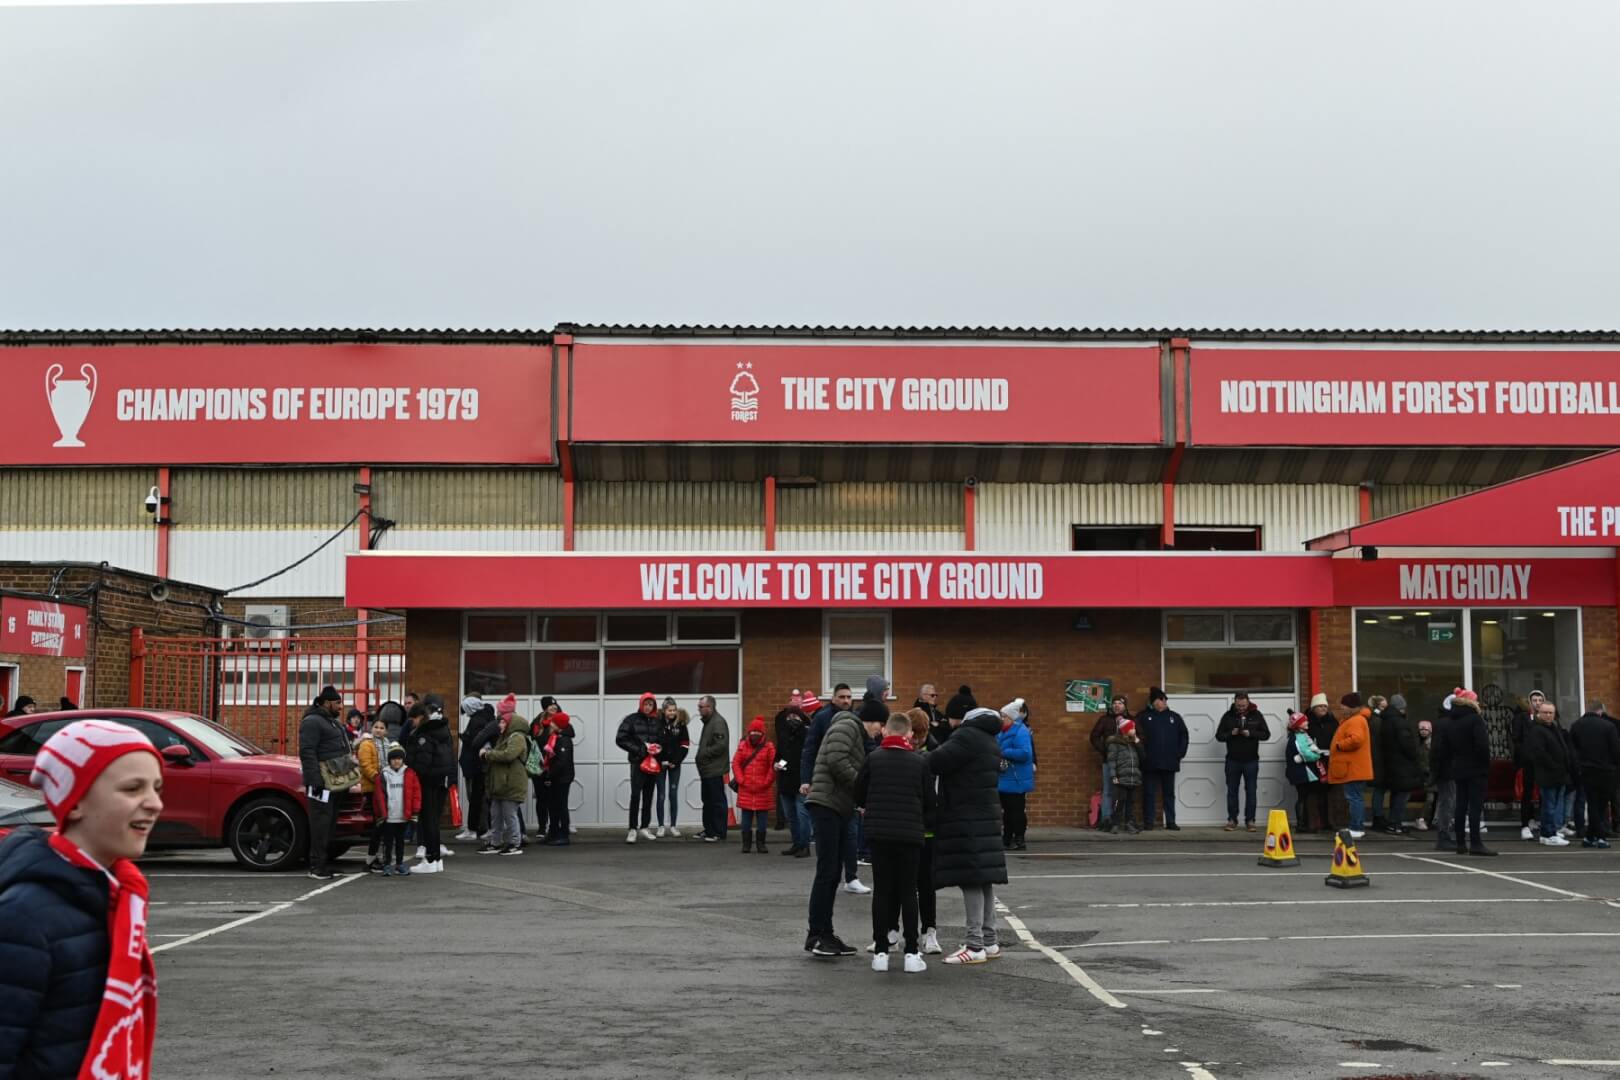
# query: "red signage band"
(1404, 397)
(41, 627)
(1473, 582)
(865, 393)
(769, 579)
(300, 404)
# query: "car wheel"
(268, 834)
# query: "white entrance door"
(613, 790)
(1201, 784)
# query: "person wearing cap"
(1351, 762)
(753, 778)
(1468, 752)
(1164, 743)
(967, 838)
(78, 989)
(321, 737)
(639, 735)
(791, 724)
(556, 738)
(1125, 764)
(537, 732)
(1322, 725)
(1107, 726)
(1305, 766)
(1017, 778)
(479, 727)
(1242, 728)
(431, 755)
(838, 764)
(1403, 770)
(23, 706)
(396, 798)
(1596, 742)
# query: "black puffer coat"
(430, 753)
(896, 789)
(1403, 765)
(791, 725)
(967, 840)
(53, 948)
(1545, 751)
(483, 727)
(1467, 743)
(636, 732)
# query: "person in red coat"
(753, 778)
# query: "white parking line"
(1308, 903)
(1509, 877)
(1073, 970)
(1352, 937)
(1460, 871)
(1177, 990)
(1580, 1061)
(244, 920)
(1196, 1070)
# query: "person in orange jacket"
(753, 778)
(1350, 763)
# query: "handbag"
(749, 760)
(340, 773)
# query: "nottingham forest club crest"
(744, 393)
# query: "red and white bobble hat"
(71, 760)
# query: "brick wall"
(1601, 650)
(43, 678)
(1338, 628)
(433, 654)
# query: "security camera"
(153, 501)
(971, 481)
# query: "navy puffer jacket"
(53, 958)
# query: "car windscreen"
(215, 739)
(22, 806)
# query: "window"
(564, 628)
(1151, 538)
(638, 629)
(1223, 538)
(28, 740)
(499, 628)
(567, 672)
(855, 646)
(671, 671)
(706, 628)
(255, 679)
(496, 672)
(1221, 652)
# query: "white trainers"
(1567, 831)
(1356, 834)
(466, 834)
(880, 961)
(894, 936)
(1420, 825)
(854, 886)
(673, 831)
(1527, 833)
(992, 952)
(630, 837)
(1554, 841)
(965, 955)
(931, 942)
(914, 964)
(647, 834)
(425, 867)
(660, 833)
(573, 828)
(421, 852)
(445, 852)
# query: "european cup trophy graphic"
(70, 401)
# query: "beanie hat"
(1298, 721)
(1464, 694)
(1127, 727)
(756, 724)
(507, 707)
(1156, 694)
(547, 702)
(1014, 708)
(71, 760)
(872, 711)
(1318, 699)
(1351, 700)
(328, 693)
(1537, 693)
(22, 702)
(432, 703)
(1397, 702)
(961, 704)
(396, 751)
(808, 702)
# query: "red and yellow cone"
(1279, 849)
(1346, 872)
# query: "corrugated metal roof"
(533, 336)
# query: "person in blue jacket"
(1164, 744)
(1017, 778)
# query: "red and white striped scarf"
(126, 1026)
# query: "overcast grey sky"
(492, 163)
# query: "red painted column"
(163, 521)
(1180, 348)
(1364, 503)
(969, 529)
(362, 653)
(770, 513)
(565, 459)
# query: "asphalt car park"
(1134, 958)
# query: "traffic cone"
(1346, 872)
(1279, 849)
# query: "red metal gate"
(260, 689)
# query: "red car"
(219, 790)
(21, 805)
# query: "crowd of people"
(1363, 767)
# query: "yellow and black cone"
(1279, 849)
(1346, 872)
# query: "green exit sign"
(1443, 633)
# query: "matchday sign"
(771, 579)
(208, 404)
(1404, 397)
(41, 627)
(819, 393)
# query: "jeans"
(1552, 809)
(1575, 809)
(1599, 785)
(1527, 778)
(1014, 821)
(434, 793)
(792, 808)
(476, 820)
(643, 793)
(1355, 794)
(1445, 810)
(714, 805)
(669, 779)
(1470, 808)
(927, 906)
(556, 810)
(831, 831)
(504, 823)
(755, 822)
(1166, 783)
(894, 893)
(1106, 811)
(393, 842)
(979, 903)
(1397, 807)
(1246, 772)
(322, 816)
(852, 845)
